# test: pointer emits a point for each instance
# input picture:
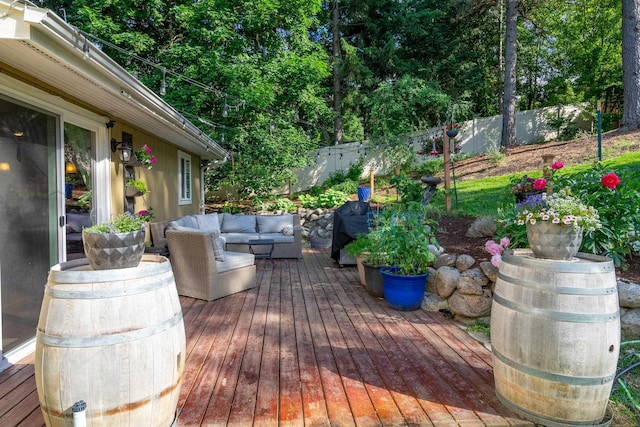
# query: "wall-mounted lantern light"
(125, 147)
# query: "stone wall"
(459, 285)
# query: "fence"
(478, 136)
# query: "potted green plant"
(359, 249)
(376, 255)
(555, 224)
(136, 188)
(118, 243)
(411, 244)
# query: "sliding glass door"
(28, 215)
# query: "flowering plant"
(144, 156)
(496, 250)
(526, 184)
(123, 223)
(532, 185)
(454, 126)
(560, 208)
(147, 214)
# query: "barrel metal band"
(564, 379)
(564, 290)
(107, 340)
(598, 264)
(557, 315)
(109, 293)
(548, 422)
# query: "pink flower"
(504, 242)
(496, 260)
(540, 184)
(143, 212)
(492, 247)
(152, 159)
(557, 165)
(147, 149)
(610, 180)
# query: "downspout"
(203, 169)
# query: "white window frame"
(185, 179)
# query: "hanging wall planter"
(135, 188)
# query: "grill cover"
(349, 220)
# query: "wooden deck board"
(309, 346)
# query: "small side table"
(262, 254)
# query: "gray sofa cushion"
(274, 223)
(208, 222)
(238, 223)
(277, 237)
(240, 237)
(234, 260)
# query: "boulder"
(431, 281)
(445, 260)
(471, 282)
(630, 322)
(629, 294)
(433, 302)
(446, 281)
(489, 270)
(465, 262)
(471, 305)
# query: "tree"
(631, 64)
(510, 56)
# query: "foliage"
(408, 237)
(622, 390)
(144, 156)
(140, 185)
(84, 201)
(408, 189)
(147, 214)
(358, 246)
(347, 187)
(123, 223)
(282, 204)
(329, 199)
(430, 167)
(617, 207)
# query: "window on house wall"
(184, 178)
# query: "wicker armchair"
(199, 275)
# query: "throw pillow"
(288, 230)
(274, 223)
(218, 251)
(208, 222)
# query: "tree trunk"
(337, 83)
(509, 104)
(500, 54)
(631, 64)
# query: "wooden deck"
(309, 346)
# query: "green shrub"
(335, 178)
(349, 187)
(430, 168)
(329, 199)
(409, 189)
(282, 204)
(618, 209)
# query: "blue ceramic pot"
(364, 194)
(403, 293)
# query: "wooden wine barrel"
(555, 337)
(114, 339)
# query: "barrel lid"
(80, 271)
(581, 263)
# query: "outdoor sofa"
(210, 254)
